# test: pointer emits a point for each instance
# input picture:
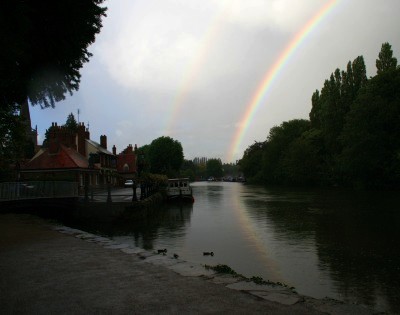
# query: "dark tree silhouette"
(165, 155)
(71, 123)
(44, 45)
(214, 168)
(386, 61)
(352, 137)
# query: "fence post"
(142, 191)
(86, 187)
(134, 197)
(108, 191)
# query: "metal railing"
(111, 193)
(38, 189)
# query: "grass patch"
(225, 269)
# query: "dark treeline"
(351, 139)
(211, 168)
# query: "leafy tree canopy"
(188, 169)
(230, 169)
(214, 168)
(71, 123)
(44, 45)
(371, 136)
(165, 155)
(386, 61)
(352, 138)
(250, 163)
(279, 140)
(12, 137)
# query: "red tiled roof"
(65, 158)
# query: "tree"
(230, 169)
(279, 140)
(334, 102)
(214, 168)
(300, 164)
(371, 136)
(386, 61)
(329, 111)
(71, 123)
(359, 73)
(143, 161)
(44, 45)
(352, 137)
(13, 140)
(316, 111)
(250, 163)
(165, 155)
(188, 169)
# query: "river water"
(325, 243)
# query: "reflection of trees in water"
(208, 194)
(143, 228)
(288, 213)
(214, 191)
(357, 237)
(360, 243)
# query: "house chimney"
(103, 141)
(114, 150)
(53, 139)
(80, 141)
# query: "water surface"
(325, 243)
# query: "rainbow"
(265, 86)
(250, 233)
(211, 35)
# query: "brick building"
(72, 156)
(126, 162)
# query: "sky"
(217, 75)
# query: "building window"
(126, 168)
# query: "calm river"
(342, 245)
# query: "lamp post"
(134, 197)
(140, 166)
(142, 190)
(109, 187)
(18, 177)
(86, 186)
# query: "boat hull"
(179, 190)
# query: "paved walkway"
(65, 271)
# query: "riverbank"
(46, 268)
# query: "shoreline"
(45, 266)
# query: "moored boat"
(179, 189)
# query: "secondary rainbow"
(265, 86)
(189, 77)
